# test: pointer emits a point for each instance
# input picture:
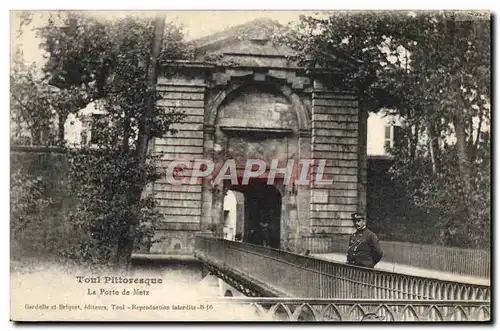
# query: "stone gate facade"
(254, 102)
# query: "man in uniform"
(364, 249)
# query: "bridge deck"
(294, 275)
(411, 270)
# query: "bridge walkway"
(263, 271)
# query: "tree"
(113, 64)
(145, 127)
(30, 104)
(433, 69)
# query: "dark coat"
(364, 249)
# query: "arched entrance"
(262, 217)
(265, 121)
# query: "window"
(397, 136)
(98, 125)
(387, 139)
(393, 137)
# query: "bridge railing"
(311, 309)
(306, 277)
(473, 262)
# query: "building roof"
(253, 38)
(256, 38)
(261, 29)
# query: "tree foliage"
(103, 182)
(30, 112)
(432, 69)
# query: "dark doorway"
(262, 214)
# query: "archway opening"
(262, 218)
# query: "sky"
(196, 24)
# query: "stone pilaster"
(335, 129)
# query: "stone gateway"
(254, 102)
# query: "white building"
(384, 130)
(78, 127)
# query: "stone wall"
(182, 202)
(335, 139)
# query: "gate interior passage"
(262, 216)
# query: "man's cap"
(357, 216)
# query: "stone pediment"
(252, 44)
(254, 38)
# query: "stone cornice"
(322, 72)
(254, 130)
(190, 66)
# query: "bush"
(104, 184)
